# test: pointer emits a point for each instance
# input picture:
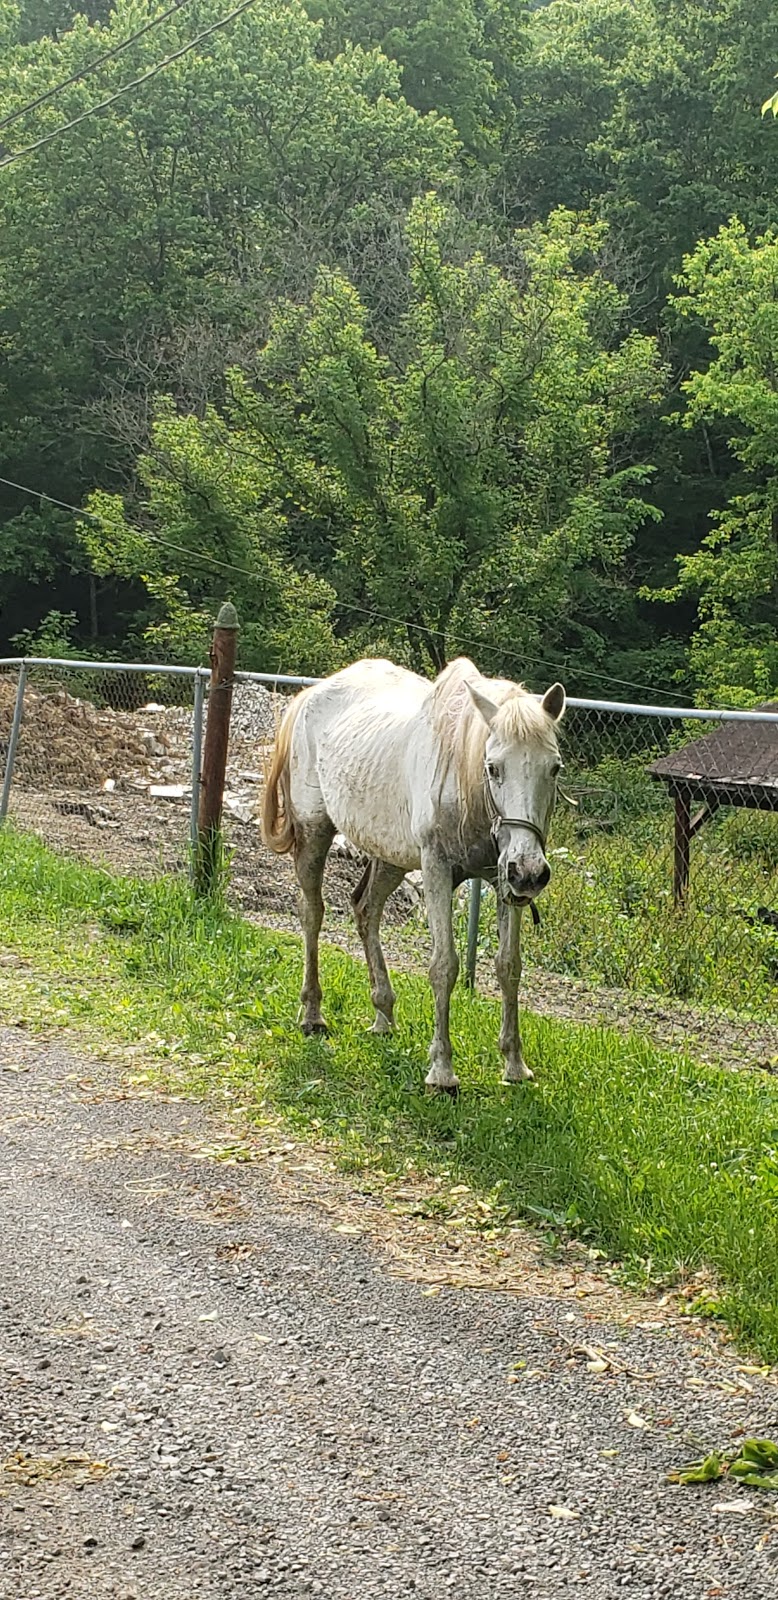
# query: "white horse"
(457, 777)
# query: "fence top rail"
(294, 681)
(680, 713)
(64, 663)
(162, 669)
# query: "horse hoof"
(450, 1089)
(313, 1030)
(381, 1024)
(516, 1082)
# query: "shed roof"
(735, 755)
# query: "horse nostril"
(543, 876)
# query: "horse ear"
(482, 703)
(554, 702)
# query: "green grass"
(661, 1163)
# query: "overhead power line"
(65, 127)
(91, 66)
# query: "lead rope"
(498, 821)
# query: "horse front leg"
(508, 968)
(444, 966)
(310, 857)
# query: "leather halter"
(498, 821)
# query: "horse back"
(363, 755)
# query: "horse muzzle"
(521, 885)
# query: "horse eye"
(492, 770)
(556, 769)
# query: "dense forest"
(412, 326)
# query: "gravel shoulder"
(278, 1411)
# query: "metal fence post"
(473, 916)
(13, 740)
(217, 733)
(197, 760)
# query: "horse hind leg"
(378, 881)
(309, 858)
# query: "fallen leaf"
(634, 1420)
(735, 1506)
(563, 1513)
(708, 1470)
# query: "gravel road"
(280, 1415)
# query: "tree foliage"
(470, 479)
(402, 272)
(732, 287)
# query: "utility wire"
(83, 72)
(478, 645)
(506, 655)
(65, 127)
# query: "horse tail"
(278, 818)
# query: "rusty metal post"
(217, 732)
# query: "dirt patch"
(144, 837)
(69, 742)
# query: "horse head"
(520, 771)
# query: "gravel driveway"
(277, 1414)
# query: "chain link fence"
(663, 908)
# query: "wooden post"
(217, 733)
(683, 834)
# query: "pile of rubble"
(70, 743)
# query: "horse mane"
(462, 732)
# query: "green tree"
(472, 481)
(731, 287)
(187, 205)
(444, 49)
(208, 529)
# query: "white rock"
(239, 807)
